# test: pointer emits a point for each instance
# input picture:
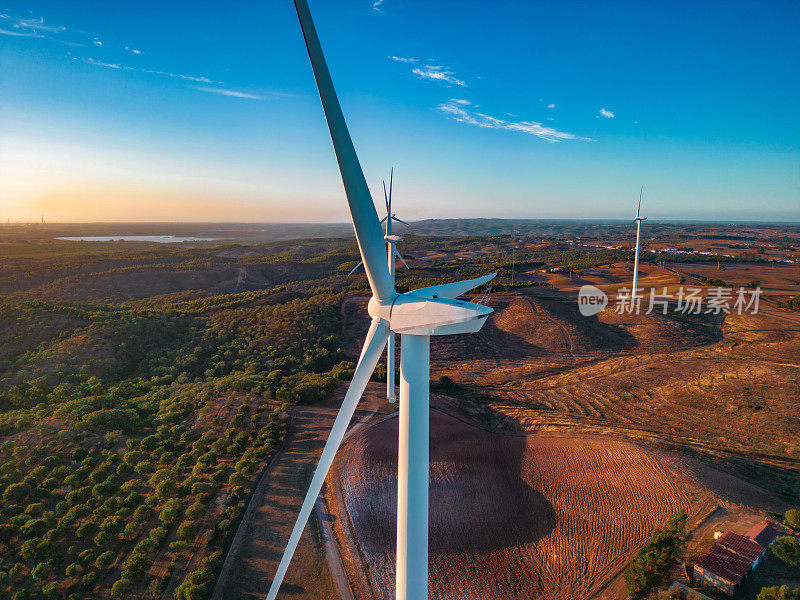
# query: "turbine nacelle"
(433, 310)
(416, 315)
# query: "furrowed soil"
(536, 516)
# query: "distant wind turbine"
(638, 220)
(392, 254)
(416, 315)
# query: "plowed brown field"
(533, 517)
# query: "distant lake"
(160, 239)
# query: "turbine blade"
(383, 220)
(638, 208)
(451, 290)
(401, 221)
(402, 260)
(359, 199)
(386, 201)
(391, 178)
(373, 348)
(356, 267)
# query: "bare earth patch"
(537, 516)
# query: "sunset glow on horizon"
(190, 112)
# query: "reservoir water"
(161, 239)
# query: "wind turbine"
(638, 220)
(415, 315)
(391, 253)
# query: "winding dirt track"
(257, 549)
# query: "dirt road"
(266, 526)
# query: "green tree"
(41, 571)
(783, 592)
(195, 586)
(104, 560)
(195, 511)
(787, 548)
(792, 517)
(121, 587)
(72, 570)
(656, 556)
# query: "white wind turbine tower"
(392, 253)
(416, 315)
(638, 220)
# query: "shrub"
(16, 492)
(142, 513)
(104, 560)
(195, 586)
(219, 475)
(787, 548)
(34, 528)
(102, 538)
(200, 487)
(130, 529)
(136, 564)
(446, 383)
(792, 517)
(165, 489)
(187, 530)
(87, 530)
(88, 580)
(158, 535)
(195, 511)
(170, 512)
(41, 571)
(144, 467)
(657, 555)
(783, 592)
(72, 570)
(121, 587)
(126, 420)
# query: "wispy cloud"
(231, 93)
(20, 33)
(551, 106)
(464, 111)
(36, 25)
(403, 60)
(100, 63)
(438, 73)
(376, 5)
(28, 27)
(606, 113)
(194, 78)
(181, 76)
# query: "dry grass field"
(569, 439)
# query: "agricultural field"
(162, 406)
(513, 516)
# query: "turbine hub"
(417, 315)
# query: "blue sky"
(200, 111)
